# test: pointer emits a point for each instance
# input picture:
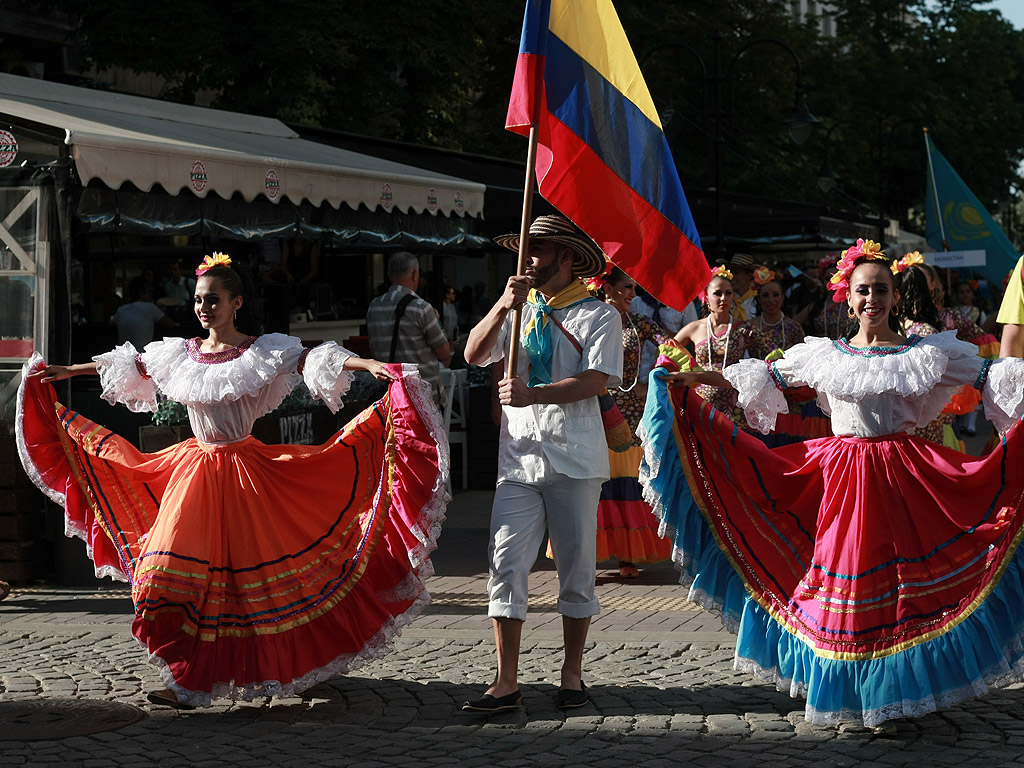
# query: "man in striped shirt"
(403, 328)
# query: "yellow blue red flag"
(602, 156)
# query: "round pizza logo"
(460, 204)
(387, 199)
(198, 176)
(8, 148)
(432, 199)
(272, 184)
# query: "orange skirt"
(256, 570)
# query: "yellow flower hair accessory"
(721, 271)
(217, 260)
(909, 260)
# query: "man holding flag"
(599, 155)
(552, 455)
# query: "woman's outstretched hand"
(53, 373)
(376, 367)
(680, 378)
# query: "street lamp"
(799, 122)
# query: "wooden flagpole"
(524, 245)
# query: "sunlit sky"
(1012, 10)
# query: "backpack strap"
(399, 311)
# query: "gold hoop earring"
(895, 310)
(850, 313)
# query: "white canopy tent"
(116, 139)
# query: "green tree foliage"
(439, 72)
(896, 68)
(406, 71)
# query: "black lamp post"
(828, 180)
(799, 122)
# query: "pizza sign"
(8, 148)
(197, 176)
(387, 197)
(432, 199)
(272, 184)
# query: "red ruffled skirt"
(256, 570)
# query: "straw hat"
(740, 261)
(588, 259)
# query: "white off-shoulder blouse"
(877, 391)
(225, 392)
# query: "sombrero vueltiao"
(588, 259)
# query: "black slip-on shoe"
(167, 701)
(488, 703)
(570, 699)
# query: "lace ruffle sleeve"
(124, 379)
(759, 392)
(325, 375)
(1003, 393)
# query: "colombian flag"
(602, 157)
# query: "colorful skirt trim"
(626, 527)
(878, 578)
(256, 570)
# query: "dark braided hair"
(918, 306)
(245, 321)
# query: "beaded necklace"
(636, 338)
(711, 339)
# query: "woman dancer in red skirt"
(256, 570)
(874, 573)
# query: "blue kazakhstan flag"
(957, 221)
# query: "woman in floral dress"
(716, 342)
(626, 528)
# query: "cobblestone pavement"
(663, 691)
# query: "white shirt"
(539, 442)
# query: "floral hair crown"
(217, 260)
(763, 276)
(839, 283)
(909, 260)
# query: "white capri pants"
(567, 508)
